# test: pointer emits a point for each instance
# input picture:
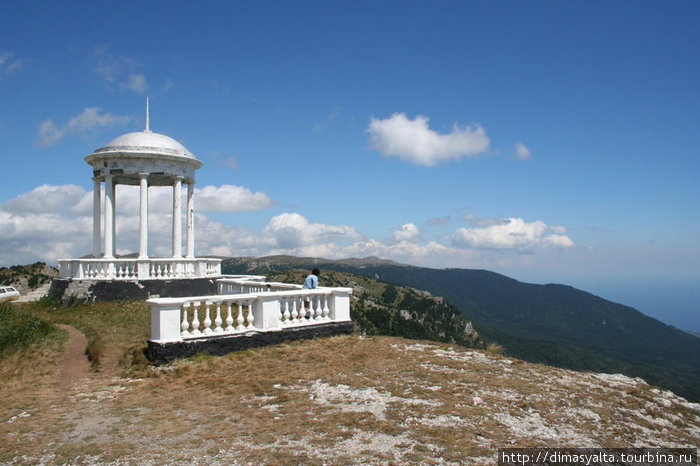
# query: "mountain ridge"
(553, 324)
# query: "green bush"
(19, 328)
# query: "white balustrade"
(179, 319)
(139, 269)
(241, 284)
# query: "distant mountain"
(380, 308)
(553, 324)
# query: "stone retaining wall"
(218, 346)
(100, 290)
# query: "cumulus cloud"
(45, 199)
(291, 230)
(415, 142)
(228, 198)
(54, 222)
(90, 119)
(225, 198)
(406, 232)
(522, 152)
(512, 233)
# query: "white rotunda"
(141, 159)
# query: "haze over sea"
(550, 142)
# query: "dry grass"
(339, 400)
(114, 330)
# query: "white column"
(96, 218)
(114, 219)
(177, 218)
(190, 219)
(109, 215)
(143, 217)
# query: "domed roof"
(145, 142)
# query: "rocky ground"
(340, 400)
(28, 278)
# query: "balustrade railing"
(180, 319)
(139, 269)
(239, 284)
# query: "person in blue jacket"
(311, 281)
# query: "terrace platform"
(248, 312)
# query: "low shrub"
(495, 348)
(19, 328)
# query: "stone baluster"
(229, 317)
(218, 321)
(207, 318)
(251, 318)
(195, 318)
(317, 307)
(299, 303)
(295, 312)
(239, 317)
(185, 325)
(326, 310)
(285, 314)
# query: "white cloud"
(291, 230)
(137, 83)
(54, 222)
(228, 198)
(415, 142)
(119, 73)
(89, 120)
(407, 232)
(512, 233)
(8, 63)
(45, 199)
(225, 198)
(522, 152)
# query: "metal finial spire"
(147, 123)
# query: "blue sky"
(549, 141)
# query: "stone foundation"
(218, 346)
(67, 290)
